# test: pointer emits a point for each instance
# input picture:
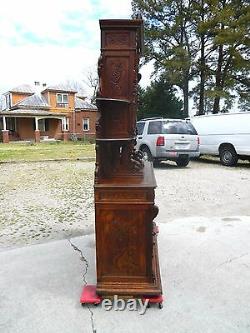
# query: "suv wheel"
(182, 161)
(147, 156)
(156, 162)
(228, 156)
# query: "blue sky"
(53, 40)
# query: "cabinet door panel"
(124, 241)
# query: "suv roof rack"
(152, 118)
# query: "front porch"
(33, 128)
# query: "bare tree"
(77, 86)
(91, 80)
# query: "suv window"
(178, 127)
(155, 127)
(140, 128)
(171, 127)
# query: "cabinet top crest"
(122, 33)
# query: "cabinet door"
(124, 241)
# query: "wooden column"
(126, 246)
(65, 131)
(37, 131)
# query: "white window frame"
(41, 125)
(4, 103)
(87, 123)
(64, 99)
(66, 124)
(11, 124)
(8, 101)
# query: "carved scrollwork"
(136, 160)
(98, 128)
(97, 163)
(99, 70)
(116, 75)
(155, 211)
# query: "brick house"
(55, 112)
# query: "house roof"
(33, 112)
(83, 105)
(81, 95)
(24, 88)
(34, 101)
(60, 87)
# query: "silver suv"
(167, 139)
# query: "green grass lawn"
(13, 152)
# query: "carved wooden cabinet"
(126, 245)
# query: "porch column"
(37, 132)
(5, 132)
(64, 130)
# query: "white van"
(224, 134)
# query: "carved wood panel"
(120, 229)
(117, 76)
(117, 40)
(125, 195)
(115, 122)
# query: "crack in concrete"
(232, 259)
(82, 258)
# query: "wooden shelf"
(112, 100)
(116, 139)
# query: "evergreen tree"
(168, 40)
(200, 15)
(203, 39)
(222, 27)
(230, 29)
(159, 100)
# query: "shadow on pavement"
(169, 165)
(216, 161)
(202, 160)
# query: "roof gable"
(22, 89)
(60, 88)
(34, 101)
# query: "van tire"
(182, 161)
(228, 155)
(147, 156)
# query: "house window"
(85, 124)
(66, 125)
(62, 100)
(4, 103)
(43, 125)
(8, 101)
(11, 124)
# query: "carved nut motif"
(117, 39)
(116, 75)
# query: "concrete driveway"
(204, 259)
